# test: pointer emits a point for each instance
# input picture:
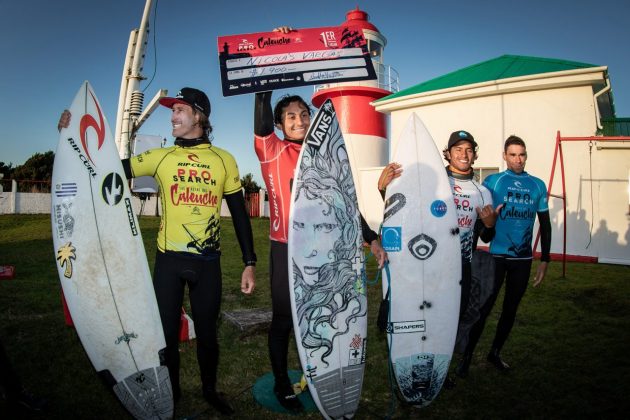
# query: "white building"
(535, 98)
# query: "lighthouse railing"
(386, 79)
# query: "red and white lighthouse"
(364, 129)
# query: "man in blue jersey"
(523, 197)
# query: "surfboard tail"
(147, 394)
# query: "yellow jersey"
(192, 183)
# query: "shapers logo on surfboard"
(320, 129)
(403, 327)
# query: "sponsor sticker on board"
(403, 327)
(391, 238)
(66, 189)
(438, 208)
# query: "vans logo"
(320, 129)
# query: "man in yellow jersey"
(194, 176)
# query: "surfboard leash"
(370, 254)
(390, 368)
(378, 272)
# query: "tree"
(37, 170)
(6, 170)
(249, 185)
(38, 167)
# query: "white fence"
(14, 202)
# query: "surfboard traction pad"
(147, 394)
(336, 403)
(420, 376)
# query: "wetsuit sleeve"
(368, 234)
(127, 168)
(263, 115)
(242, 226)
(545, 235)
(481, 231)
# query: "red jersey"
(278, 159)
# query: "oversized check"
(273, 60)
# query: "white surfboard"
(102, 263)
(421, 238)
(326, 258)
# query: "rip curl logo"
(88, 121)
(65, 255)
(276, 207)
(193, 157)
(457, 189)
(518, 184)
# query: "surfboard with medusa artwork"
(328, 296)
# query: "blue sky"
(49, 48)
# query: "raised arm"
(263, 114)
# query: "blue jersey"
(522, 196)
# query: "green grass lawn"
(569, 347)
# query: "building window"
(482, 173)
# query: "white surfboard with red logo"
(102, 263)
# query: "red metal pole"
(564, 209)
